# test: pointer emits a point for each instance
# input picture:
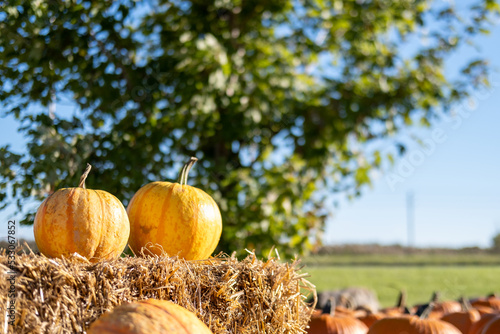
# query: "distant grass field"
(419, 274)
(403, 259)
(418, 281)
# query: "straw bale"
(230, 296)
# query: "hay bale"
(230, 296)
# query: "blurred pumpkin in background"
(335, 323)
(492, 326)
(411, 324)
(464, 319)
(478, 326)
(491, 301)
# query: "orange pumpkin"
(478, 326)
(448, 306)
(485, 309)
(92, 223)
(412, 325)
(335, 322)
(147, 317)
(370, 318)
(464, 319)
(491, 301)
(492, 327)
(440, 308)
(399, 308)
(174, 218)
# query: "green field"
(403, 259)
(420, 275)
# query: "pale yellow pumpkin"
(92, 223)
(174, 218)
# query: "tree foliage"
(276, 98)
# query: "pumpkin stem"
(427, 311)
(465, 303)
(84, 176)
(435, 296)
(333, 305)
(181, 174)
(185, 171)
(401, 303)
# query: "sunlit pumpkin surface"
(178, 219)
(92, 223)
(148, 317)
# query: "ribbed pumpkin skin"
(183, 220)
(148, 317)
(327, 324)
(412, 325)
(92, 223)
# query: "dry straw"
(230, 296)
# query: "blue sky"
(456, 189)
(456, 185)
